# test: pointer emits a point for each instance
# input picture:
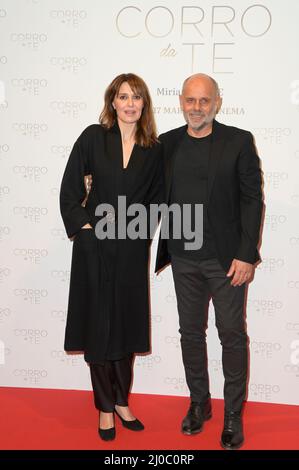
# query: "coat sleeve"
(72, 191)
(251, 201)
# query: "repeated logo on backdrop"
(54, 67)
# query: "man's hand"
(241, 272)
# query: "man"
(215, 165)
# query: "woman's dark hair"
(146, 134)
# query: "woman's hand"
(87, 184)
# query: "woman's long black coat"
(108, 311)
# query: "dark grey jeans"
(195, 283)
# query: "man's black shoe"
(197, 414)
(232, 435)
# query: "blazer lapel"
(170, 152)
(217, 147)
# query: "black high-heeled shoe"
(107, 434)
(134, 425)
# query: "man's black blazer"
(234, 199)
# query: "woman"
(108, 311)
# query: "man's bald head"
(200, 102)
(198, 77)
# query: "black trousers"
(111, 383)
(195, 283)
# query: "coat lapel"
(115, 156)
(113, 151)
(134, 168)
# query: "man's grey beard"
(196, 128)
(200, 126)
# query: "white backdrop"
(56, 59)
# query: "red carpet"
(64, 419)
